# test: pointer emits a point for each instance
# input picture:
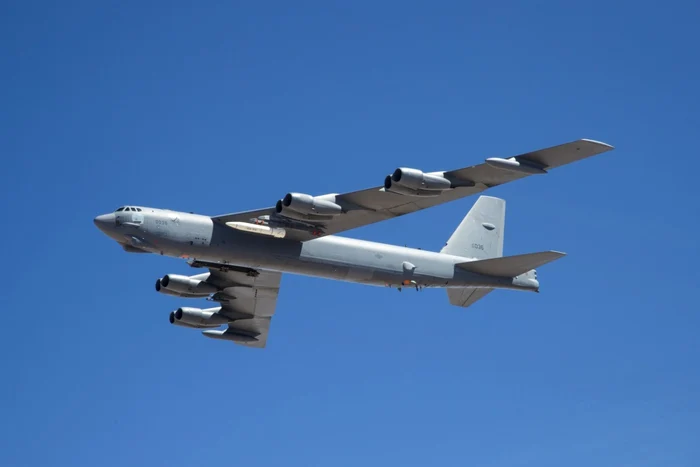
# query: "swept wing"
(371, 205)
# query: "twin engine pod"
(208, 319)
(413, 182)
(184, 286)
(198, 318)
(308, 205)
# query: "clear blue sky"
(219, 108)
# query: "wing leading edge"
(375, 204)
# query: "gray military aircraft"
(247, 252)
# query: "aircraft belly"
(336, 258)
(328, 270)
(357, 274)
(376, 263)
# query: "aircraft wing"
(248, 296)
(377, 204)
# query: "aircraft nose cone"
(104, 221)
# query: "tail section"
(521, 268)
(479, 237)
(480, 234)
(511, 266)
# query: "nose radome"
(103, 221)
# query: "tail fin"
(480, 234)
(479, 237)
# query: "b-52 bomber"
(246, 253)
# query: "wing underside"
(248, 298)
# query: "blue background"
(225, 107)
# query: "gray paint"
(470, 265)
(188, 235)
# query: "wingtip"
(599, 143)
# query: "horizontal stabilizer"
(510, 266)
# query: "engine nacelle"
(180, 323)
(195, 286)
(163, 290)
(413, 182)
(198, 318)
(307, 204)
(417, 180)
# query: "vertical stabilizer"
(480, 234)
(466, 296)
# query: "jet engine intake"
(195, 286)
(413, 182)
(307, 204)
(417, 180)
(198, 318)
(391, 187)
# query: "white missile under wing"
(406, 190)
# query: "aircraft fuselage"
(187, 235)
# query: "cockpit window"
(128, 208)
